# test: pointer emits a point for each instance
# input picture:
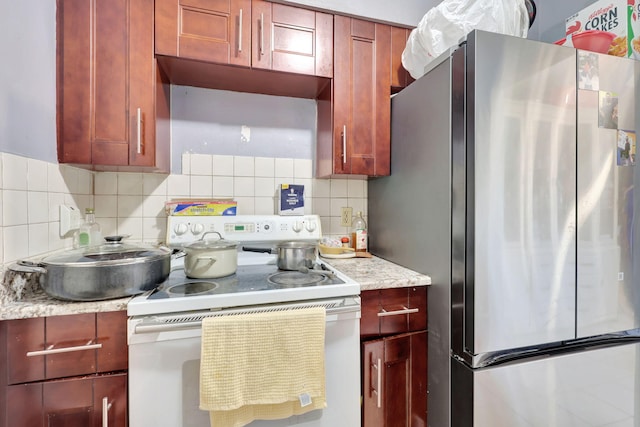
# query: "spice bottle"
(359, 233)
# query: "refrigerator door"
(608, 295)
(519, 288)
(590, 388)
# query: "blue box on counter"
(291, 199)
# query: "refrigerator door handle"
(404, 310)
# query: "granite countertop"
(23, 298)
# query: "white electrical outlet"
(345, 216)
(70, 219)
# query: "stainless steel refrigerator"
(513, 185)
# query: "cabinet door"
(207, 30)
(291, 39)
(395, 381)
(106, 83)
(400, 78)
(110, 401)
(393, 311)
(361, 98)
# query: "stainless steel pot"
(291, 255)
(111, 270)
(211, 258)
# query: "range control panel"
(182, 230)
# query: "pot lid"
(110, 253)
(218, 243)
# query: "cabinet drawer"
(393, 311)
(64, 346)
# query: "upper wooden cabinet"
(354, 114)
(106, 86)
(400, 78)
(246, 33)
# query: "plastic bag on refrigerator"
(443, 26)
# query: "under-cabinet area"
(68, 370)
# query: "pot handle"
(211, 259)
(32, 267)
(254, 249)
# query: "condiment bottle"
(89, 233)
(359, 233)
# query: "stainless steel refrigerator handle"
(404, 310)
(105, 411)
(51, 350)
(139, 130)
(344, 144)
(240, 33)
(262, 34)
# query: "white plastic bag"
(443, 26)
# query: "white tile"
(154, 230)
(264, 206)
(106, 206)
(358, 205)
(70, 175)
(54, 202)
(265, 166)
(83, 202)
(55, 182)
(186, 163)
(284, 168)
(246, 205)
(223, 186)
(129, 206)
(201, 186)
(339, 188)
(15, 243)
(1, 244)
(325, 222)
(85, 182)
(243, 187)
(14, 172)
(69, 200)
(1, 209)
(243, 166)
(1, 185)
(265, 187)
(129, 184)
(37, 171)
(109, 226)
(38, 238)
(106, 183)
(153, 207)
(336, 229)
(223, 165)
(321, 188)
(178, 186)
(14, 208)
(337, 204)
(322, 206)
(37, 207)
(201, 164)
(355, 188)
(302, 168)
(131, 226)
(308, 186)
(308, 206)
(55, 241)
(154, 184)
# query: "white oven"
(164, 330)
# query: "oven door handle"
(155, 326)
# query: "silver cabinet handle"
(262, 34)
(51, 350)
(378, 390)
(105, 411)
(404, 310)
(139, 131)
(344, 144)
(240, 33)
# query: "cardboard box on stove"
(619, 17)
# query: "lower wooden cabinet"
(394, 357)
(97, 401)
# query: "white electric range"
(164, 328)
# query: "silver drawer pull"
(51, 350)
(240, 33)
(404, 310)
(378, 390)
(105, 411)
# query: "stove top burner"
(296, 278)
(192, 288)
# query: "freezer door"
(591, 388)
(521, 193)
(608, 290)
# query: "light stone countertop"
(371, 273)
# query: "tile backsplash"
(133, 203)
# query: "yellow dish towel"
(266, 365)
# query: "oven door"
(164, 368)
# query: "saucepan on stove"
(291, 255)
(210, 258)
